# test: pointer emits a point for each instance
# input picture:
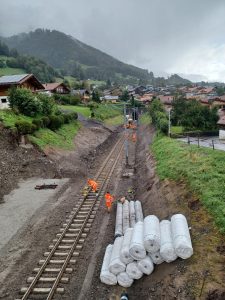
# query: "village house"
(28, 81)
(83, 94)
(56, 88)
(166, 101)
(110, 98)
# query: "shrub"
(45, 121)
(24, 127)
(38, 123)
(47, 104)
(70, 117)
(55, 122)
(24, 100)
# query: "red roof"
(53, 86)
(166, 99)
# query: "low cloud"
(160, 35)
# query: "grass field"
(11, 71)
(111, 114)
(176, 129)
(9, 118)
(145, 119)
(115, 121)
(202, 168)
(83, 110)
(61, 138)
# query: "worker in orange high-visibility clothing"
(93, 184)
(108, 201)
(134, 137)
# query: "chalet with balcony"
(56, 88)
(28, 81)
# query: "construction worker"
(93, 184)
(108, 201)
(134, 138)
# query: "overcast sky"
(163, 36)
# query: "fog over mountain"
(176, 36)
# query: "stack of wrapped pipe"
(127, 215)
(146, 243)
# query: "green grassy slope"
(202, 168)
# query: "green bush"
(70, 117)
(45, 121)
(24, 127)
(159, 116)
(38, 123)
(48, 105)
(55, 122)
(24, 101)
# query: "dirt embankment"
(21, 254)
(201, 276)
(20, 163)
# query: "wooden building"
(56, 88)
(28, 81)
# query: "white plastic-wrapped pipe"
(151, 234)
(156, 258)
(137, 249)
(138, 211)
(106, 276)
(116, 266)
(124, 252)
(126, 219)
(124, 280)
(132, 214)
(167, 250)
(146, 265)
(181, 236)
(133, 271)
(119, 220)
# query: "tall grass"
(202, 168)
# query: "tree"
(95, 96)
(125, 96)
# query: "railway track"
(54, 270)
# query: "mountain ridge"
(75, 58)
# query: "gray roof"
(12, 78)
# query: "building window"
(4, 100)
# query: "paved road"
(206, 142)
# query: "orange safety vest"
(108, 199)
(93, 184)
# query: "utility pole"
(169, 127)
(125, 130)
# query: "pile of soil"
(20, 163)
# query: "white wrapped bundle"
(181, 236)
(137, 249)
(124, 252)
(138, 211)
(156, 258)
(146, 265)
(132, 214)
(124, 280)
(106, 276)
(133, 271)
(151, 234)
(166, 243)
(119, 220)
(126, 221)
(116, 266)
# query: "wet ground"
(209, 142)
(200, 277)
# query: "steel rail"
(51, 254)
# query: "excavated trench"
(200, 277)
